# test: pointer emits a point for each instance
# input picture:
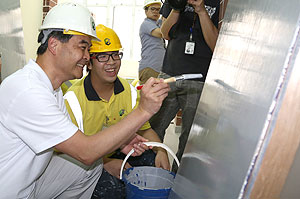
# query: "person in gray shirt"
(153, 46)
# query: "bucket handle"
(157, 144)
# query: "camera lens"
(177, 4)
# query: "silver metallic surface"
(240, 99)
(11, 37)
(290, 65)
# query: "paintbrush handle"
(169, 80)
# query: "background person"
(33, 117)
(153, 46)
(191, 31)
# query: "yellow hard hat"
(109, 40)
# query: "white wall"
(32, 15)
(123, 16)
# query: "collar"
(43, 76)
(92, 95)
(148, 19)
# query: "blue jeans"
(185, 95)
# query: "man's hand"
(137, 144)
(198, 5)
(113, 166)
(153, 93)
(162, 160)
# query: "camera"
(177, 4)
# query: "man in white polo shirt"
(34, 120)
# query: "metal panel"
(11, 37)
(240, 99)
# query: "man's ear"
(52, 45)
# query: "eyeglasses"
(105, 57)
(154, 9)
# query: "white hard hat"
(71, 17)
(149, 2)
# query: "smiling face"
(73, 56)
(105, 71)
(152, 11)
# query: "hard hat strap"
(47, 32)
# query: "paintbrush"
(178, 78)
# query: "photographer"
(192, 29)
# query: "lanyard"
(191, 28)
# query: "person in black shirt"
(192, 34)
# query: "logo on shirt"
(106, 121)
(121, 112)
(210, 10)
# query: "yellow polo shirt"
(98, 113)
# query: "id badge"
(189, 47)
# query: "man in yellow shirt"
(105, 99)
